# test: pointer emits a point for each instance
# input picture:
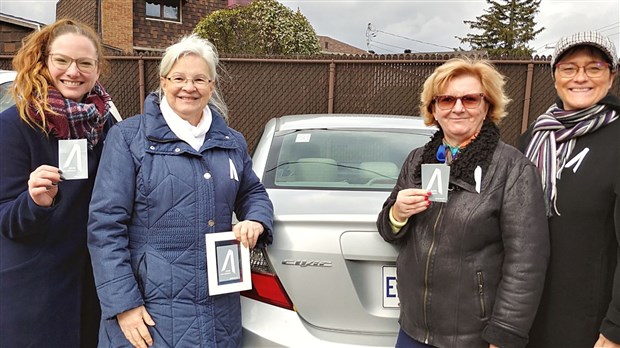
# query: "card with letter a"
(435, 178)
(228, 264)
(73, 158)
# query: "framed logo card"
(228, 264)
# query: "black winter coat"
(470, 271)
(579, 299)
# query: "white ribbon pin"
(233, 170)
(478, 178)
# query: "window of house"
(164, 9)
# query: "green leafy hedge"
(262, 27)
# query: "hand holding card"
(43, 185)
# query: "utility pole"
(370, 33)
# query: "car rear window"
(339, 159)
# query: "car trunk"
(331, 260)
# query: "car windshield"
(340, 159)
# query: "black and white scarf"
(553, 140)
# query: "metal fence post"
(330, 87)
(141, 83)
(527, 97)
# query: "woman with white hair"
(165, 179)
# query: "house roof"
(27, 23)
(235, 3)
(332, 46)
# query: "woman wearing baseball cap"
(576, 146)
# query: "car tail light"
(266, 286)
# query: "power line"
(414, 40)
(371, 33)
(387, 44)
(385, 49)
(612, 26)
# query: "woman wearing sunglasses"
(47, 291)
(470, 269)
(576, 146)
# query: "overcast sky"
(418, 25)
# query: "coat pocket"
(157, 278)
(481, 293)
(142, 274)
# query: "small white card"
(228, 264)
(303, 138)
(435, 178)
(73, 158)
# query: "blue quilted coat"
(154, 199)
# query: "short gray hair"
(195, 45)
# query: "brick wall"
(12, 36)
(116, 23)
(82, 10)
(158, 34)
(124, 23)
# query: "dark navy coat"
(47, 294)
(154, 199)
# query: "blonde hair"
(194, 44)
(492, 82)
(33, 76)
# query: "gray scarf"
(553, 140)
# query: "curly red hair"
(33, 77)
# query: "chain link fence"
(257, 88)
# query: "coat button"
(177, 150)
(152, 147)
(211, 223)
(207, 176)
(227, 137)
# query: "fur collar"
(477, 153)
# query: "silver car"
(328, 280)
(6, 80)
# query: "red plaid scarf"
(77, 120)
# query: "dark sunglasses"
(469, 101)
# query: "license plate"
(390, 294)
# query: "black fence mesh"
(257, 88)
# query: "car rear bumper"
(265, 325)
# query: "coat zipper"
(481, 292)
(428, 261)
